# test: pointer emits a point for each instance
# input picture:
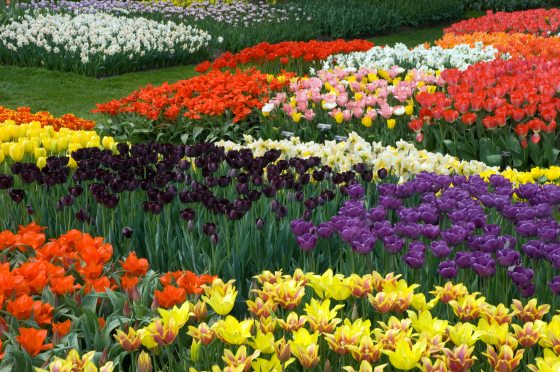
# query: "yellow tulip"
(17, 152)
(39, 152)
(366, 121)
(404, 357)
(41, 162)
(232, 331)
(272, 365)
(263, 342)
(391, 123)
(221, 296)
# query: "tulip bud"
(283, 350)
(29, 210)
(200, 311)
(144, 363)
(214, 239)
(259, 223)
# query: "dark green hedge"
(359, 18)
(507, 5)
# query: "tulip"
(232, 331)
(404, 356)
(144, 362)
(505, 360)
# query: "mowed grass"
(61, 93)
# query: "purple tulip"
(534, 249)
(483, 264)
(508, 257)
(527, 291)
(448, 269)
(521, 276)
(364, 243)
(325, 229)
(463, 259)
(300, 227)
(355, 192)
(307, 241)
(430, 231)
(527, 228)
(393, 244)
(414, 258)
(454, 236)
(554, 285)
(377, 214)
(440, 249)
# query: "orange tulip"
(134, 265)
(31, 340)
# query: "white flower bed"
(97, 41)
(421, 58)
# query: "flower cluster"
(515, 45)
(284, 52)
(19, 140)
(236, 13)
(23, 115)
(454, 221)
(214, 94)
(49, 287)
(453, 330)
(403, 161)
(373, 98)
(97, 44)
(542, 22)
(422, 57)
(516, 97)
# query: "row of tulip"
(70, 293)
(544, 22)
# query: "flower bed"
(285, 55)
(98, 44)
(494, 107)
(543, 22)
(194, 109)
(23, 115)
(422, 57)
(515, 45)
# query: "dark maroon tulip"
(17, 195)
(187, 214)
(6, 181)
(209, 228)
(127, 232)
(259, 224)
(214, 239)
(382, 173)
(82, 216)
